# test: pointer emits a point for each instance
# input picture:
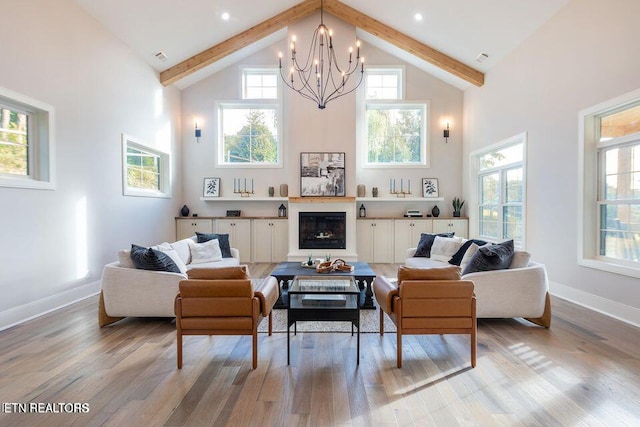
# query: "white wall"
(584, 55)
(308, 128)
(56, 53)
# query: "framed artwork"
(322, 175)
(430, 187)
(211, 187)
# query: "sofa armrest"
(384, 292)
(235, 253)
(411, 252)
(267, 292)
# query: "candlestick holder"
(238, 188)
(399, 193)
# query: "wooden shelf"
(400, 199)
(322, 199)
(245, 199)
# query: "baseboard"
(619, 311)
(23, 313)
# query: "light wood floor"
(585, 370)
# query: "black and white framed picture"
(322, 175)
(211, 187)
(429, 187)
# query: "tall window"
(145, 170)
(501, 188)
(396, 130)
(611, 187)
(26, 144)
(250, 129)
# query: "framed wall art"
(430, 187)
(322, 175)
(211, 187)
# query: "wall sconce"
(446, 134)
(198, 132)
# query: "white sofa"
(130, 292)
(513, 292)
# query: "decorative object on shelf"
(282, 211)
(272, 191)
(198, 132)
(363, 211)
(429, 187)
(195, 215)
(322, 80)
(457, 206)
(362, 190)
(284, 190)
(374, 191)
(435, 211)
(337, 265)
(309, 261)
(211, 187)
(238, 188)
(322, 175)
(393, 189)
(327, 257)
(446, 133)
(234, 213)
(184, 211)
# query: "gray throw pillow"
(426, 242)
(151, 259)
(223, 240)
(491, 257)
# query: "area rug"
(369, 322)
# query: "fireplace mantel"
(322, 199)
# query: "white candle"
(251, 185)
(401, 186)
(409, 185)
(245, 185)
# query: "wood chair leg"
(398, 313)
(179, 348)
(381, 322)
(474, 345)
(255, 348)
(399, 345)
(271, 323)
(103, 318)
(545, 320)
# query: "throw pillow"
(223, 240)
(443, 248)
(425, 243)
(520, 259)
(456, 259)
(491, 257)
(175, 258)
(239, 272)
(451, 272)
(151, 259)
(469, 254)
(124, 258)
(208, 251)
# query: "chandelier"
(320, 79)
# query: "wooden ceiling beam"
(235, 43)
(395, 37)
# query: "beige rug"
(369, 322)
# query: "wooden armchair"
(428, 301)
(223, 301)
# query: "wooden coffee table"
(323, 299)
(362, 273)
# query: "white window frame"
(41, 155)
(246, 71)
(590, 184)
(165, 170)
(389, 70)
(476, 174)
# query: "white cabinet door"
(239, 231)
(187, 227)
(280, 242)
(364, 239)
(457, 226)
(262, 236)
(383, 241)
(407, 235)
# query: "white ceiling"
(460, 28)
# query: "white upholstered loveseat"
(513, 292)
(130, 292)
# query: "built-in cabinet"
(270, 240)
(239, 231)
(374, 240)
(459, 226)
(187, 227)
(407, 235)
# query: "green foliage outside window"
(255, 141)
(143, 170)
(14, 142)
(394, 135)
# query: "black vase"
(435, 211)
(184, 211)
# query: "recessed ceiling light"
(417, 17)
(225, 16)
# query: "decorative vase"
(184, 211)
(374, 191)
(272, 191)
(362, 190)
(456, 214)
(284, 190)
(435, 211)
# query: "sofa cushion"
(444, 248)
(183, 248)
(451, 272)
(520, 259)
(225, 262)
(456, 259)
(205, 252)
(223, 240)
(420, 262)
(425, 243)
(491, 257)
(152, 259)
(124, 258)
(238, 272)
(175, 258)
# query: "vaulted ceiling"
(198, 41)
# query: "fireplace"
(322, 230)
